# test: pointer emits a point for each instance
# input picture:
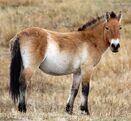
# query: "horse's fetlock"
(22, 107)
(69, 108)
(84, 109)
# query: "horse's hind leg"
(74, 90)
(25, 75)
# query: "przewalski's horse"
(58, 53)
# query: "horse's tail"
(15, 69)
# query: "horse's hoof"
(85, 113)
(84, 110)
(22, 107)
(69, 109)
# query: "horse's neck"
(95, 36)
(102, 44)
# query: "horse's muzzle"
(115, 47)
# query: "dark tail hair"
(15, 69)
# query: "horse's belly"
(59, 65)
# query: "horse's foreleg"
(25, 75)
(74, 90)
(84, 98)
(85, 91)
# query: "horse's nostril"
(113, 45)
(118, 46)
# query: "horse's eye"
(120, 28)
(107, 28)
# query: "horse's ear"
(107, 16)
(119, 16)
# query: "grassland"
(110, 92)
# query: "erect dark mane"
(91, 22)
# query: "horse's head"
(112, 30)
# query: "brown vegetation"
(110, 92)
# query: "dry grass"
(60, 15)
(110, 93)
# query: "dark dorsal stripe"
(90, 23)
(95, 21)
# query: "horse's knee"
(85, 88)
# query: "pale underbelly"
(55, 66)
